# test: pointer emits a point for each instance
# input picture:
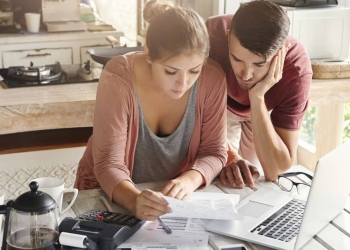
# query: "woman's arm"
(110, 134)
(145, 205)
(212, 151)
(182, 187)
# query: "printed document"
(216, 206)
(188, 232)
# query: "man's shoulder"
(220, 19)
(297, 61)
(219, 24)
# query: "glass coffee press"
(30, 221)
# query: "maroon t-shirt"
(288, 99)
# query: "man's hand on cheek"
(273, 76)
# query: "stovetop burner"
(33, 71)
(41, 74)
(22, 76)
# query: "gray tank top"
(158, 158)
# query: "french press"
(30, 221)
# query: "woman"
(160, 115)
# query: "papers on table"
(187, 222)
(215, 206)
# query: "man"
(268, 78)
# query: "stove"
(23, 76)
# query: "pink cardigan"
(109, 155)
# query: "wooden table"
(336, 235)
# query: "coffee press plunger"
(30, 221)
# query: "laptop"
(267, 209)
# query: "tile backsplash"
(16, 182)
(18, 169)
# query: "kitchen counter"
(72, 105)
(330, 91)
(47, 107)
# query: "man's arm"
(275, 147)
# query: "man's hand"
(274, 75)
(238, 173)
(150, 205)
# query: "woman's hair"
(261, 27)
(174, 30)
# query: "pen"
(165, 227)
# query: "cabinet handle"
(35, 55)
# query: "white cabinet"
(48, 48)
(38, 57)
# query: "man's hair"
(261, 27)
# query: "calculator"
(107, 229)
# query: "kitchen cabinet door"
(39, 57)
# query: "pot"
(103, 55)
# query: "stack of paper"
(187, 222)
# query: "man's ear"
(146, 53)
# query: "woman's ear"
(146, 53)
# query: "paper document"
(187, 233)
(152, 235)
(205, 206)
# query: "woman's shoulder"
(212, 81)
(119, 72)
(212, 70)
(120, 64)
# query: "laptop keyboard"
(284, 224)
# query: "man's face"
(248, 67)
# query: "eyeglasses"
(286, 184)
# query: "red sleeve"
(112, 112)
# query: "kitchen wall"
(122, 15)
(345, 3)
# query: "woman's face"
(176, 75)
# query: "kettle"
(30, 221)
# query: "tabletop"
(336, 235)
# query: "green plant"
(308, 128)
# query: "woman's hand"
(238, 173)
(182, 187)
(150, 205)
